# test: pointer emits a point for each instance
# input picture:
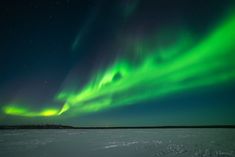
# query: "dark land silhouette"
(52, 126)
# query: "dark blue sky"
(48, 46)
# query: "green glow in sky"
(161, 72)
(130, 8)
(19, 110)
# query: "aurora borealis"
(117, 61)
(122, 84)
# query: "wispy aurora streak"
(19, 110)
(210, 62)
(160, 73)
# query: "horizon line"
(56, 126)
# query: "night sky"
(117, 62)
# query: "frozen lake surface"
(118, 143)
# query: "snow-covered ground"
(118, 143)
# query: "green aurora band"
(18, 110)
(162, 72)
